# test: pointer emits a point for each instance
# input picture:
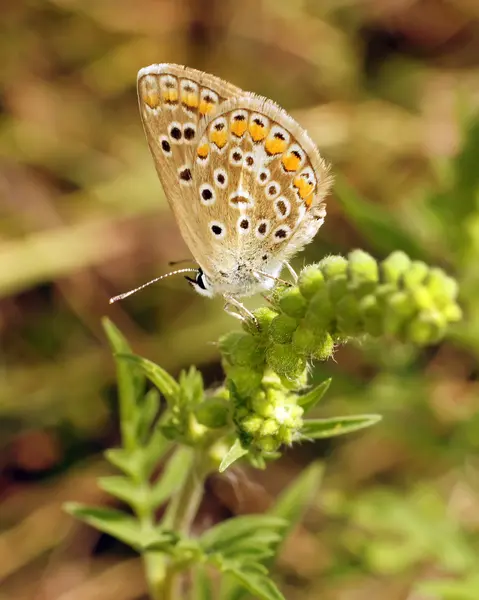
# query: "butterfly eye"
(200, 283)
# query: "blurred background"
(389, 90)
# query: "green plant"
(261, 407)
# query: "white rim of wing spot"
(265, 222)
(287, 205)
(236, 162)
(256, 116)
(259, 179)
(172, 126)
(166, 82)
(217, 236)
(244, 195)
(245, 161)
(295, 147)
(279, 129)
(186, 126)
(185, 169)
(243, 230)
(164, 138)
(277, 239)
(218, 172)
(190, 87)
(205, 187)
(203, 142)
(218, 121)
(272, 185)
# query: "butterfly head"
(201, 283)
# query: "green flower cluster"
(335, 300)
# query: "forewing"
(260, 183)
(175, 102)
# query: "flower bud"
(426, 328)
(332, 266)
(324, 347)
(362, 267)
(246, 380)
(320, 311)
(304, 340)
(283, 359)
(371, 315)
(311, 279)
(251, 424)
(293, 303)
(394, 266)
(263, 316)
(282, 328)
(415, 274)
(442, 288)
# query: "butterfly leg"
(235, 309)
(292, 272)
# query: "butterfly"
(244, 181)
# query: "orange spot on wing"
(258, 132)
(170, 96)
(190, 99)
(291, 162)
(203, 150)
(238, 127)
(206, 108)
(219, 138)
(275, 146)
(305, 189)
(152, 98)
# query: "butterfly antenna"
(126, 294)
(173, 263)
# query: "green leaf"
(309, 400)
(130, 384)
(168, 386)
(113, 522)
(257, 583)
(234, 453)
(130, 462)
(124, 489)
(146, 414)
(173, 476)
(229, 536)
(315, 429)
(154, 450)
(201, 587)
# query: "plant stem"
(180, 515)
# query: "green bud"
(362, 267)
(241, 348)
(262, 405)
(264, 316)
(282, 328)
(269, 427)
(422, 298)
(284, 360)
(349, 319)
(304, 340)
(268, 444)
(427, 328)
(293, 303)
(393, 267)
(452, 313)
(213, 413)
(442, 288)
(332, 266)
(338, 288)
(324, 347)
(251, 424)
(247, 381)
(415, 274)
(371, 314)
(286, 436)
(311, 279)
(271, 379)
(297, 382)
(400, 307)
(320, 311)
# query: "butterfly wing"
(175, 102)
(260, 184)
